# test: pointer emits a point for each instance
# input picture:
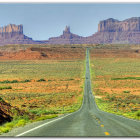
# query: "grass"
(108, 107)
(126, 91)
(46, 117)
(116, 81)
(41, 80)
(1, 100)
(17, 122)
(61, 85)
(14, 81)
(126, 78)
(137, 114)
(7, 81)
(5, 129)
(39, 112)
(35, 69)
(60, 90)
(5, 87)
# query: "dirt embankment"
(7, 112)
(105, 53)
(35, 53)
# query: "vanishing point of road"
(87, 121)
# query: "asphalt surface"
(87, 121)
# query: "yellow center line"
(107, 133)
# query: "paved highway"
(87, 121)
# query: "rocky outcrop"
(13, 34)
(12, 28)
(66, 38)
(10, 31)
(117, 32)
(109, 31)
(113, 25)
(7, 112)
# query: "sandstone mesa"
(110, 31)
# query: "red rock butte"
(110, 31)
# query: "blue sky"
(45, 20)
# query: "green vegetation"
(8, 87)
(62, 93)
(39, 112)
(138, 114)
(108, 107)
(7, 81)
(126, 91)
(30, 69)
(46, 117)
(41, 80)
(17, 122)
(126, 78)
(116, 83)
(27, 80)
(1, 100)
(14, 81)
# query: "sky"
(45, 20)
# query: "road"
(87, 121)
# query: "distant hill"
(110, 31)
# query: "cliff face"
(115, 31)
(12, 28)
(109, 31)
(13, 34)
(113, 25)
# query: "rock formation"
(7, 112)
(109, 31)
(113, 25)
(13, 34)
(11, 28)
(115, 31)
(66, 38)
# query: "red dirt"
(33, 53)
(119, 53)
(7, 112)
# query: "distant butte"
(66, 38)
(109, 31)
(13, 34)
(115, 31)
